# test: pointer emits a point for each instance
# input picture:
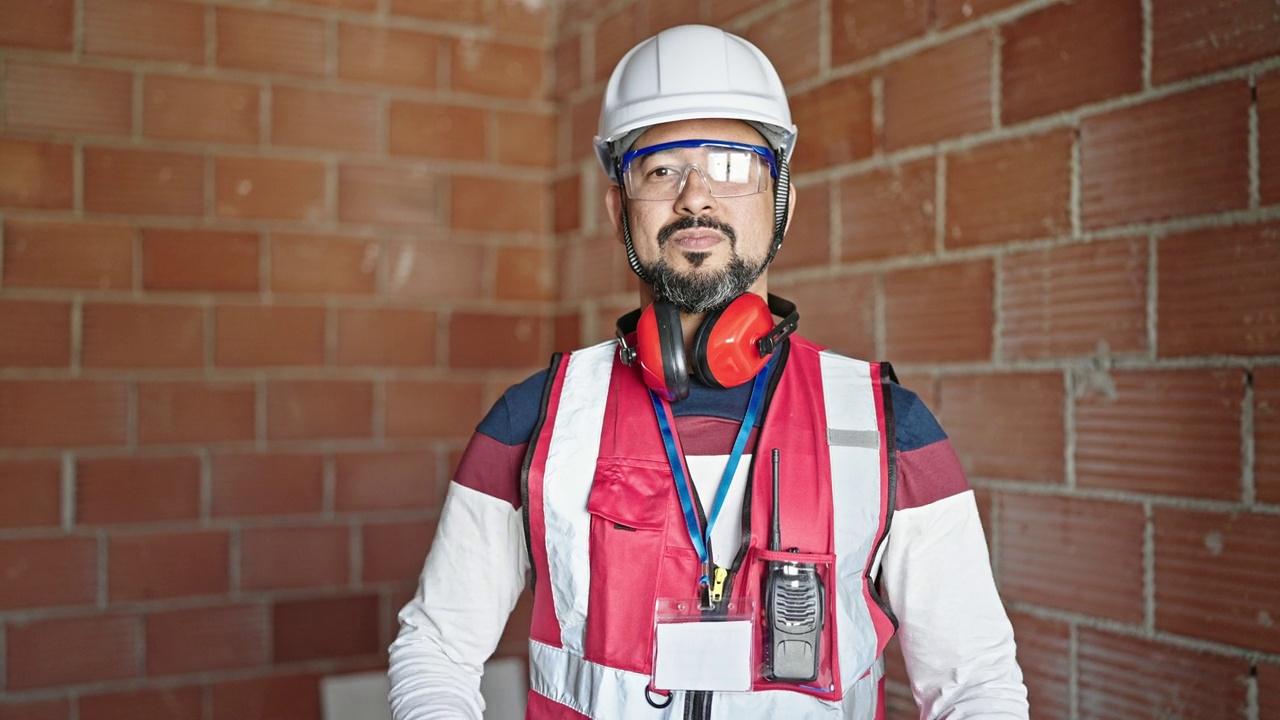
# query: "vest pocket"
(759, 566)
(629, 505)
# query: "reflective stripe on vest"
(559, 480)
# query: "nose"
(695, 196)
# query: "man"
(843, 513)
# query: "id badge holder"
(697, 651)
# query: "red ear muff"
(726, 349)
(660, 350)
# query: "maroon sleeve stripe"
(492, 468)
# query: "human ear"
(613, 207)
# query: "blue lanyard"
(666, 423)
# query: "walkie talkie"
(794, 607)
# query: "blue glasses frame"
(760, 150)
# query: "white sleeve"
(955, 635)
(472, 578)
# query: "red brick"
(266, 485)
(271, 42)
(1269, 137)
(1097, 544)
(32, 490)
(1166, 432)
(1005, 426)
(200, 260)
(1014, 190)
(137, 489)
(190, 412)
(1266, 428)
(488, 68)
(387, 480)
(567, 198)
(521, 18)
(485, 340)
(35, 174)
(382, 56)
(70, 255)
(269, 557)
(437, 130)
(386, 337)
(1074, 300)
(1236, 554)
(394, 552)
(150, 566)
(1181, 155)
(36, 709)
(887, 212)
(567, 62)
(44, 573)
(322, 119)
(1044, 654)
(722, 10)
(614, 36)
(1268, 690)
(181, 703)
(280, 697)
(442, 271)
(1195, 316)
(43, 25)
(269, 188)
(351, 628)
(69, 651)
(146, 29)
(357, 5)
(446, 10)
(776, 35)
(408, 399)
(526, 139)
(62, 413)
(938, 93)
(317, 409)
(595, 266)
(203, 639)
(324, 264)
(952, 12)
(861, 29)
(143, 182)
(34, 333)
(68, 99)
(127, 336)
(568, 332)
(836, 118)
(200, 110)
(525, 205)
(1131, 678)
(941, 313)
(1070, 55)
(837, 313)
(270, 335)
(525, 273)
(584, 116)
(808, 240)
(1192, 38)
(394, 195)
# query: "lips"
(699, 239)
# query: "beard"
(697, 292)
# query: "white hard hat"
(687, 73)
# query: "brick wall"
(1061, 221)
(264, 266)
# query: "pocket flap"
(631, 495)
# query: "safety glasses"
(728, 169)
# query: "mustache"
(689, 222)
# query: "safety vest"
(606, 535)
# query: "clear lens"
(660, 172)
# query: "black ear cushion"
(675, 370)
(701, 363)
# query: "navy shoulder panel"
(511, 420)
(914, 426)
